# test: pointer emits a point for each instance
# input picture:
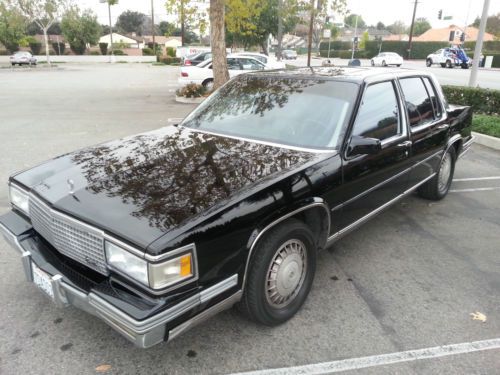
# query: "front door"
(370, 181)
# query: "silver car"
(22, 58)
(289, 54)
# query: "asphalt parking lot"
(408, 280)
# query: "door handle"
(443, 127)
(405, 144)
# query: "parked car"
(202, 73)
(22, 58)
(196, 58)
(449, 58)
(387, 58)
(269, 61)
(289, 54)
(157, 232)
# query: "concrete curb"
(183, 99)
(486, 140)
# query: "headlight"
(155, 275)
(19, 198)
(171, 272)
(127, 263)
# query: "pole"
(309, 37)
(355, 35)
(329, 41)
(479, 45)
(153, 25)
(110, 33)
(411, 28)
(182, 22)
(280, 30)
(466, 21)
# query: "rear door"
(428, 126)
(371, 181)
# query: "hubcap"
(444, 172)
(286, 273)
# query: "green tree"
(130, 22)
(364, 38)
(80, 28)
(44, 13)
(12, 26)
(188, 15)
(492, 24)
(380, 26)
(34, 29)
(420, 26)
(167, 28)
(397, 28)
(350, 20)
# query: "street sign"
(447, 18)
(327, 33)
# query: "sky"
(372, 11)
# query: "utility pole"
(479, 45)
(309, 37)
(411, 28)
(153, 24)
(354, 39)
(280, 30)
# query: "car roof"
(340, 73)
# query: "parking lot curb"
(487, 140)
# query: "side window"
(250, 64)
(233, 64)
(417, 100)
(434, 97)
(378, 115)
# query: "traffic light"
(440, 14)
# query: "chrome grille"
(76, 240)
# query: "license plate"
(42, 280)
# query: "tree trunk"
(46, 38)
(217, 38)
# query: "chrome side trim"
(219, 288)
(170, 254)
(204, 315)
(360, 195)
(466, 147)
(368, 216)
(279, 220)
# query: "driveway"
(406, 281)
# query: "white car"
(448, 58)
(268, 61)
(387, 58)
(22, 58)
(202, 73)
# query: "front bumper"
(142, 320)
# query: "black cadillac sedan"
(156, 232)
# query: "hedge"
(344, 54)
(35, 47)
(482, 101)
(489, 125)
(59, 46)
(169, 60)
(104, 48)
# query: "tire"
(428, 62)
(372, 62)
(437, 187)
(464, 66)
(448, 64)
(383, 63)
(443, 65)
(208, 84)
(398, 65)
(291, 242)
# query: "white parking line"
(477, 179)
(175, 120)
(472, 190)
(382, 360)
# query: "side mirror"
(363, 146)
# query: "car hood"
(141, 187)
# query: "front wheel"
(437, 187)
(448, 64)
(373, 63)
(280, 274)
(208, 84)
(383, 63)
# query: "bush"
(147, 52)
(419, 50)
(171, 51)
(482, 101)
(168, 60)
(12, 47)
(35, 47)
(59, 47)
(95, 53)
(78, 48)
(344, 54)
(191, 90)
(489, 125)
(104, 48)
(118, 52)
(335, 45)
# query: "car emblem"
(71, 185)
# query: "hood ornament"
(71, 185)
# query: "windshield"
(308, 113)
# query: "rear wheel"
(383, 63)
(208, 84)
(464, 66)
(443, 65)
(280, 274)
(372, 62)
(398, 65)
(428, 62)
(437, 187)
(448, 64)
